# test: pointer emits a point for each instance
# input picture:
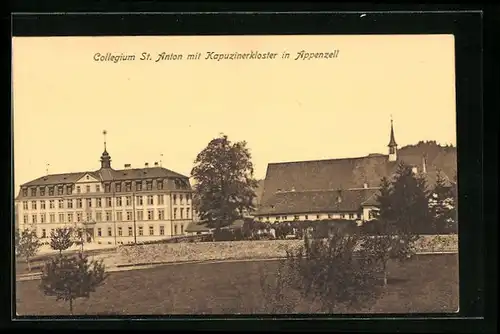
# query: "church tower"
(393, 147)
(105, 157)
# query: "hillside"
(437, 156)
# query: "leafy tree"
(276, 289)
(61, 239)
(70, 277)
(442, 205)
(28, 245)
(225, 185)
(330, 271)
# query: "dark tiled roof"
(316, 201)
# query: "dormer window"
(25, 192)
(107, 188)
(51, 191)
(339, 199)
(33, 191)
(128, 186)
(149, 185)
(69, 189)
(118, 187)
(42, 191)
(78, 189)
(159, 184)
(138, 185)
(60, 190)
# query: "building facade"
(112, 206)
(334, 188)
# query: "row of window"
(108, 216)
(130, 231)
(108, 201)
(118, 187)
(306, 217)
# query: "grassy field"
(429, 283)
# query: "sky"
(285, 109)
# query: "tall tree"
(28, 245)
(70, 277)
(61, 239)
(225, 185)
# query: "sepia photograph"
(235, 175)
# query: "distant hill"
(437, 156)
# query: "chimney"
(156, 164)
(146, 165)
(424, 167)
(127, 166)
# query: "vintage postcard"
(189, 175)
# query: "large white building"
(113, 206)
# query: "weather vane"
(104, 133)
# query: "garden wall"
(262, 249)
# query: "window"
(150, 200)
(182, 213)
(51, 204)
(139, 200)
(175, 229)
(89, 216)
(162, 230)
(33, 219)
(358, 215)
(128, 200)
(181, 199)
(33, 191)
(109, 232)
(149, 185)
(370, 214)
(108, 216)
(97, 188)
(107, 188)
(51, 191)
(342, 216)
(89, 202)
(329, 215)
(351, 216)
(25, 219)
(119, 201)
(60, 190)
(284, 217)
(161, 214)
(69, 190)
(87, 177)
(87, 188)
(130, 231)
(175, 213)
(159, 184)
(120, 232)
(25, 192)
(78, 189)
(42, 218)
(42, 205)
(61, 218)
(118, 187)
(98, 216)
(78, 216)
(33, 205)
(317, 216)
(182, 229)
(175, 199)
(69, 203)
(42, 191)
(150, 214)
(44, 233)
(52, 218)
(129, 215)
(160, 199)
(187, 213)
(128, 186)
(99, 232)
(108, 202)
(79, 203)
(141, 230)
(119, 216)
(60, 204)
(138, 185)
(25, 205)
(98, 202)
(151, 230)
(306, 217)
(139, 215)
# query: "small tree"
(61, 239)
(442, 205)
(71, 277)
(28, 245)
(276, 290)
(331, 271)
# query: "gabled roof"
(316, 201)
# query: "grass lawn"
(429, 283)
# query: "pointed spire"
(104, 133)
(105, 158)
(392, 141)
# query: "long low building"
(333, 188)
(113, 206)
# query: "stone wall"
(205, 251)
